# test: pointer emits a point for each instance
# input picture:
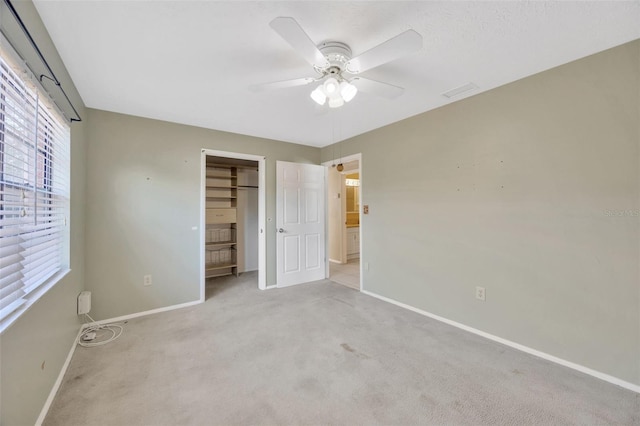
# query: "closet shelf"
(215, 176)
(216, 266)
(221, 244)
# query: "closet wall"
(248, 219)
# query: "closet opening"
(232, 237)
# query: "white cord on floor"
(93, 327)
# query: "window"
(34, 189)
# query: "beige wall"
(530, 190)
(143, 198)
(46, 332)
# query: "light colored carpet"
(320, 354)
(346, 274)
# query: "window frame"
(50, 186)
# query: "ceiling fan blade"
(293, 34)
(281, 84)
(392, 49)
(373, 87)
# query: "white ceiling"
(192, 62)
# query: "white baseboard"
(597, 374)
(150, 312)
(269, 287)
(65, 366)
(58, 382)
(335, 261)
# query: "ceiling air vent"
(460, 90)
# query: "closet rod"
(228, 166)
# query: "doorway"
(232, 223)
(344, 224)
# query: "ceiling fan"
(337, 69)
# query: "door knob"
(281, 230)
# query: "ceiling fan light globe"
(318, 96)
(348, 91)
(335, 102)
(331, 86)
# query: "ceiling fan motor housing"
(337, 54)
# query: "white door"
(300, 223)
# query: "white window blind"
(34, 187)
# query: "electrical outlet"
(147, 280)
(480, 293)
(366, 266)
